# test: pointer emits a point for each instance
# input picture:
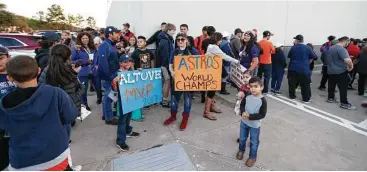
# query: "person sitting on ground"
(31, 114)
(253, 109)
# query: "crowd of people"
(42, 97)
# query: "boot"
(207, 106)
(170, 119)
(185, 118)
(224, 90)
(213, 108)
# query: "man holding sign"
(182, 50)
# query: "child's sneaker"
(250, 162)
(239, 155)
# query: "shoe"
(272, 90)
(114, 121)
(207, 109)
(103, 118)
(224, 92)
(77, 168)
(250, 162)
(170, 119)
(292, 98)
(87, 107)
(73, 123)
(123, 147)
(331, 100)
(239, 155)
(238, 140)
(307, 102)
(364, 104)
(70, 142)
(185, 119)
(322, 88)
(165, 103)
(99, 101)
(350, 87)
(91, 89)
(133, 135)
(277, 92)
(348, 106)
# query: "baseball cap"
(4, 50)
(125, 58)
(127, 25)
(51, 36)
(238, 30)
(298, 37)
(111, 29)
(278, 44)
(267, 33)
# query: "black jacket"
(42, 56)
(362, 63)
(75, 90)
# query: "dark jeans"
(342, 81)
(277, 78)
(324, 78)
(123, 128)
(85, 81)
(361, 83)
(303, 80)
(245, 130)
(266, 70)
(97, 85)
(352, 74)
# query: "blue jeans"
(277, 78)
(123, 128)
(255, 71)
(84, 80)
(266, 70)
(228, 70)
(97, 85)
(245, 130)
(176, 96)
(107, 102)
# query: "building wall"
(315, 20)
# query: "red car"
(19, 42)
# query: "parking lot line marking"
(363, 124)
(345, 123)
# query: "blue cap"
(51, 36)
(125, 58)
(111, 29)
(299, 37)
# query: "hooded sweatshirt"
(32, 117)
(165, 48)
(42, 56)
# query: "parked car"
(20, 42)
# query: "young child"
(31, 115)
(243, 91)
(143, 58)
(123, 127)
(253, 109)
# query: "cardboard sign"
(236, 75)
(198, 73)
(140, 88)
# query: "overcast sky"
(29, 8)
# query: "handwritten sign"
(140, 88)
(198, 72)
(236, 75)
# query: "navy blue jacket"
(81, 57)
(300, 56)
(226, 48)
(37, 135)
(278, 59)
(165, 48)
(108, 60)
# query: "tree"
(40, 16)
(79, 20)
(55, 14)
(2, 7)
(91, 22)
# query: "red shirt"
(353, 50)
(199, 42)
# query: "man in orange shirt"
(265, 59)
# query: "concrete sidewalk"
(291, 139)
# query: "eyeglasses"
(182, 40)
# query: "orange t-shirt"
(268, 49)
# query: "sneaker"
(307, 102)
(123, 147)
(348, 106)
(292, 98)
(103, 118)
(331, 100)
(77, 168)
(133, 135)
(277, 92)
(99, 101)
(224, 92)
(114, 121)
(272, 90)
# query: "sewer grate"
(171, 157)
